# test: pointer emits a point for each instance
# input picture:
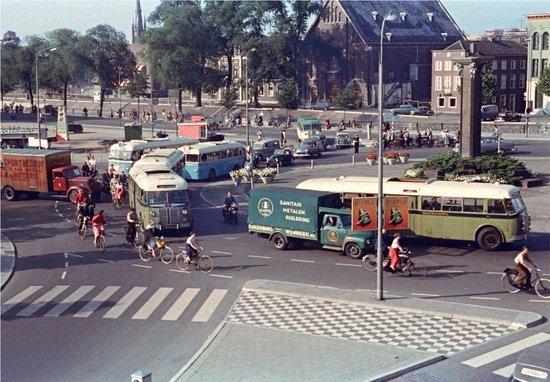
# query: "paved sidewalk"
(291, 332)
(7, 255)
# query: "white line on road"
(149, 307)
(546, 301)
(260, 257)
(222, 276)
(221, 252)
(425, 294)
(494, 273)
(366, 290)
(447, 271)
(326, 287)
(484, 298)
(546, 274)
(181, 303)
(506, 371)
(96, 302)
(60, 215)
(302, 261)
(179, 271)
(209, 305)
(67, 220)
(65, 254)
(7, 305)
(141, 266)
(507, 350)
(42, 300)
(349, 265)
(57, 310)
(73, 255)
(230, 238)
(66, 264)
(124, 303)
(106, 261)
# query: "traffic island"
(7, 256)
(297, 332)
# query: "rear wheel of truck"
(353, 250)
(72, 196)
(279, 241)
(10, 194)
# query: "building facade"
(344, 44)
(506, 59)
(538, 59)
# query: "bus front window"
(178, 197)
(120, 154)
(156, 197)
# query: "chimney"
(374, 14)
(430, 16)
(402, 15)
(444, 35)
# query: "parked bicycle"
(201, 263)
(139, 238)
(161, 251)
(407, 266)
(540, 285)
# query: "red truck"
(31, 171)
(200, 128)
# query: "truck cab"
(68, 179)
(336, 233)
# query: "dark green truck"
(291, 216)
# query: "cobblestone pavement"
(358, 322)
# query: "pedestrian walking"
(356, 143)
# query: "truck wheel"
(279, 241)
(72, 196)
(353, 250)
(10, 194)
(489, 238)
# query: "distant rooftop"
(491, 48)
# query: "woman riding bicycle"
(192, 247)
(395, 249)
(98, 226)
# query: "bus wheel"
(279, 241)
(211, 174)
(489, 239)
(10, 193)
(353, 250)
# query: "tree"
(10, 52)
(488, 85)
(26, 60)
(107, 54)
(350, 97)
(137, 86)
(229, 97)
(287, 96)
(543, 84)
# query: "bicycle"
(407, 265)
(83, 231)
(161, 250)
(100, 242)
(202, 263)
(540, 285)
(139, 238)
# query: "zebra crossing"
(115, 302)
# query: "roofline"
(451, 18)
(537, 15)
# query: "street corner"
(7, 254)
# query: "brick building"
(507, 60)
(344, 42)
(538, 59)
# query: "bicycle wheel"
(144, 254)
(205, 263)
(83, 232)
(101, 243)
(181, 261)
(542, 288)
(139, 239)
(166, 255)
(369, 262)
(418, 269)
(508, 284)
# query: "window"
(535, 41)
(502, 101)
(512, 81)
(204, 158)
(522, 81)
(522, 64)
(261, 90)
(438, 65)
(451, 204)
(512, 102)
(270, 90)
(441, 102)
(494, 64)
(496, 207)
(438, 83)
(545, 41)
(503, 81)
(448, 65)
(544, 64)
(535, 69)
(456, 83)
(494, 99)
(339, 16)
(431, 203)
(503, 64)
(512, 64)
(473, 205)
(452, 102)
(447, 83)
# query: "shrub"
(391, 155)
(371, 155)
(404, 154)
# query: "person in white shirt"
(193, 246)
(524, 265)
(395, 249)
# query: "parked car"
(509, 116)
(321, 105)
(533, 365)
(489, 112)
(329, 144)
(403, 109)
(265, 148)
(422, 110)
(343, 140)
(320, 139)
(282, 156)
(75, 128)
(489, 145)
(308, 148)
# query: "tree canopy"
(543, 83)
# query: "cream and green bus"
(158, 193)
(173, 159)
(489, 214)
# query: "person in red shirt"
(98, 225)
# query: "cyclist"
(523, 265)
(119, 192)
(149, 238)
(395, 249)
(131, 221)
(192, 247)
(98, 225)
(85, 214)
(81, 200)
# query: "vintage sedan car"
(489, 145)
(75, 128)
(343, 140)
(282, 156)
(403, 109)
(308, 148)
(422, 110)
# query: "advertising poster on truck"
(396, 212)
(364, 213)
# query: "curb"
(406, 369)
(7, 253)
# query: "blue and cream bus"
(173, 159)
(123, 155)
(208, 160)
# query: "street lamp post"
(248, 146)
(379, 251)
(38, 90)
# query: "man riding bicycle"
(192, 247)
(98, 226)
(85, 214)
(131, 221)
(524, 265)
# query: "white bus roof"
(209, 147)
(137, 144)
(393, 186)
(156, 177)
(166, 157)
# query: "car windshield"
(71, 173)
(178, 196)
(120, 154)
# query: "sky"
(27, 17)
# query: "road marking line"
(221, 252)
(141, 266)
(546, 274)
(484, 298)
(209, 305)
(7, 305)
(325, 287)
(180, 305)
(425, 294)
(547, 301)
(231, 238)
(494, 273)
(366, 290)
(106, 261)
(149, 307)
(222, 276)
(96, 302)
(507, 350)
(57, 201)
(260, 257)
(447, 271)
(65, 254)
(63, 275)
(349, 265)
(66, 264)
(67, 220)
(505, 371)
(179, 270)
(57, 310)
(73, 255)
(42, 300)
(60, 215)
(302, 261)
(124, 303)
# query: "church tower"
(138, 25)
